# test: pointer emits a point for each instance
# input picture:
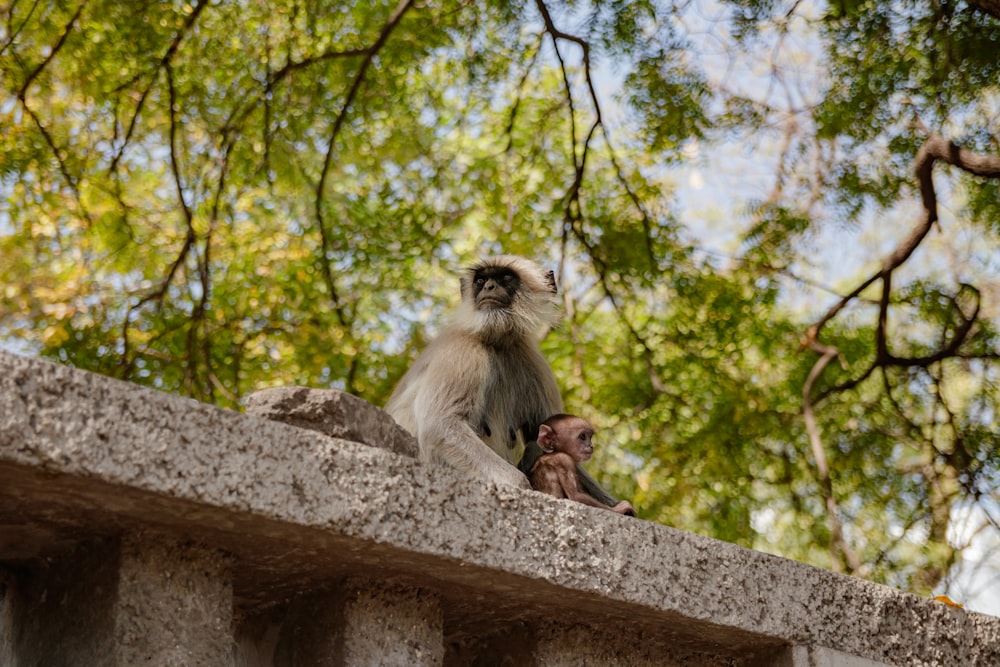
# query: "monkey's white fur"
(528, 316)
(482, 386)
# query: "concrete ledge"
(85, 458)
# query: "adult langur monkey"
(482, 386)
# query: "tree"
(211, 198)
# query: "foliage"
(211, 198)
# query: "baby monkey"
(566, 441)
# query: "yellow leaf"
(948, 601)
(54, 336)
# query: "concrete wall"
(141, 528)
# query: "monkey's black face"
(495, 287)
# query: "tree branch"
(12, 32)
(572, 197)
(157, 293)
(326, 249)
(934, 149)
(991, 7)
(837, 539)
(509, 130)
(22, 92)
(292, 66)
(22, 96)
(165, 61)
(240, 113)
(72, 182)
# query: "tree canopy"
(775, 226)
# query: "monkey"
(482, 387)
(567, 440)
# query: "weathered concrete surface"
(142, 600)
(333, 413)
(817, 656)
(61, 606)
(401, 625)
(558, 644)
(82, 456)
(173, 605)
(356, 622)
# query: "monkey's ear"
(545, 436)
(550, 279)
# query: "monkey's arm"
(544, 477)
(443, 408)
(454, 442)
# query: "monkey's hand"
(490, 467)
(513, 477)
(624, 507)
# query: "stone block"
(391, 624)
(334, 413)
(174, 604)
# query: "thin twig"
(837, 540)
(22, 96)
(12, 33)
(23, 91)
(165, 61)
(369, 55)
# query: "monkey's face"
(495, 287)
(576, 438)
(507, 300)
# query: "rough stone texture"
(305, 631)
(59, 611)
(118, 604)
(83, 457)
(357, 622)
(174, 606)
(817, 656)
(333, 413)
(562, 645)
(392, 625)
(813, 656)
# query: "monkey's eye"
(480, 282)
(508, 278)
(582, 436)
